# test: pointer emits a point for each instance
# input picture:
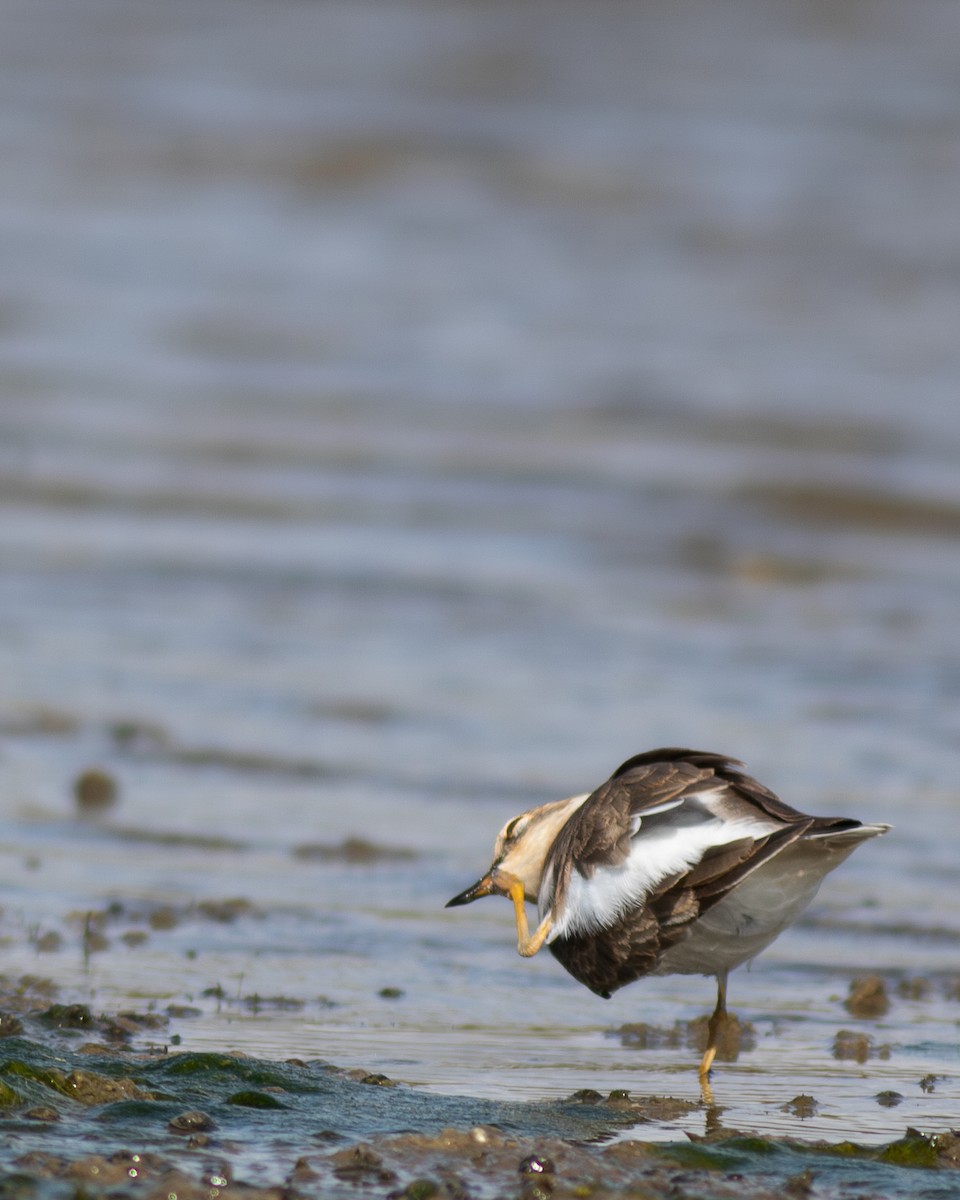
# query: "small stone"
(191, 1122)
(360, 1163)
(68, 1016)
(92, 1089)
(947, 1146)
(801, 1106)
(42, 1112)
(10, 1026)
(302, 1171)
(358, 1158)
(536, 1164)
(888, 1099)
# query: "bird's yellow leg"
(527, 943)
(714, 1026)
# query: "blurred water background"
(408, 411)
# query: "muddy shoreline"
(95, 1104)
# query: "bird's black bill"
(483, 887)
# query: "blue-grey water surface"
(408, 412)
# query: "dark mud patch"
(176, 840)
(354, 850)
(736, 1037)
(95, 791)
(839, 506)
(249, 762)
(868, 998)
(43, 721)
(27, 1012)
(773, 431)
(150, 501)
(123, 918)
(133, 924)
(713, 554)
(853, 1046)
(354, 712)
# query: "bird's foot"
(527, 943)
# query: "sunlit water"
(407, 414)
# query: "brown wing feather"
(599, 834)
(599, 831)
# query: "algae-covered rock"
(914, 1149)
(91, 1089)
(191, 1122)
(68, 1016)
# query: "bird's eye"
(511, 828)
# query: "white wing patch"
(659, 849)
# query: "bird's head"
(520, 852)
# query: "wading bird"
(680, 863)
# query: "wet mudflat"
(407, 413)
(87, 1107)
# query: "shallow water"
(191, 1124)
(409, 412)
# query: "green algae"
(198, 1063)
(913, 1151)
(908, 1154)
(728, 1154)
(114, 1112)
